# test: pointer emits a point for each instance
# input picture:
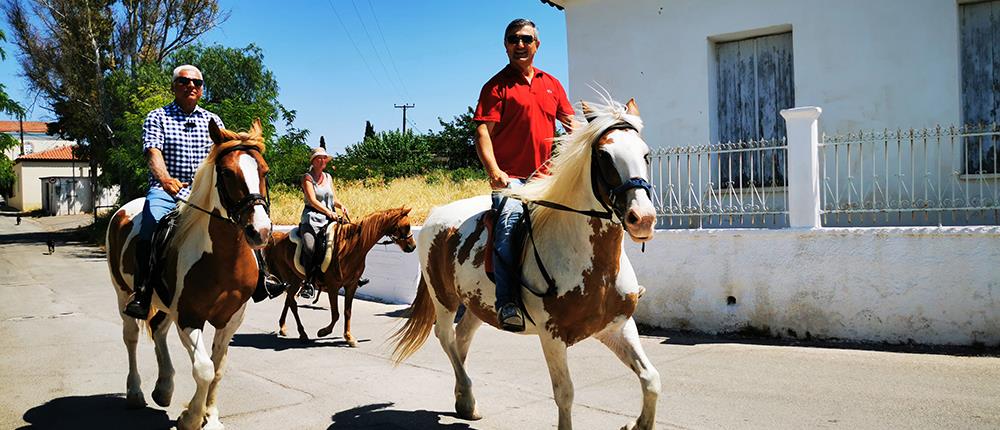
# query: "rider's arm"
(567, 122)
(307, 188)
(484, 148)
(154, 158)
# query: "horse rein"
(235, 209)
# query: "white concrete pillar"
(803, 184)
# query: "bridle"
(613, 199)
(235, 209)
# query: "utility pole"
(404, 107)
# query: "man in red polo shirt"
(516, 113)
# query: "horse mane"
(203, 188)
(569, 180)
(368, 232)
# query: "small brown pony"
(349, 245)
(209, 270)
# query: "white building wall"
(925, 285)
(28, 190)
(870, 65)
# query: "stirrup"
(135, 308)
(307, 290)
(510, 318)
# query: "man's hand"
(499, 180)
(172, 186)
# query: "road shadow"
(687, 338)
(99, 411)
(378, 416)
(62, 237)
(273, 342)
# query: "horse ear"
(588, 113)
(214, 132)
(256, 128)
(631, 108)
(322, 142)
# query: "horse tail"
(414, 332)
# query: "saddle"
(162, 236)
(323, 244)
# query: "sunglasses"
(526, 38)
(184, 81)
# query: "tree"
(456, 142)
(7, 141)
(288, 156)
(389, 154)
(72, 50)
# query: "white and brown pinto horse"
(209, 270)
(586, 287)
(347, 246)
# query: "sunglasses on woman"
(526, 38)
(184, 81)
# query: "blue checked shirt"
(182, 138)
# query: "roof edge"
(558, 4)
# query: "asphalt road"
(63, 365)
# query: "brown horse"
(587, 287)
(349, 244)
(209, 270)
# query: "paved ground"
(63, 365)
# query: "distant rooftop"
(62, 153)
(29, 127)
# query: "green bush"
(389, 154)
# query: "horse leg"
(466, 330)
(624, 342)
(332, 291)
(289, 296)
(133, 383)
(348, 301)
(444, 329)
(290, 303)
(220, 350)
(562, 385)
(164, 390)
(203, 371)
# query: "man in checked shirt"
(175, 140)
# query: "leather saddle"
(323, 258)
(162, 237)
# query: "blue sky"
(443, 51)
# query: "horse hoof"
(135, 401)
(282, 332)
(323, 332)
(468, 414)
(352, 343)
(184, 422)
(162, 397)
(213, 424)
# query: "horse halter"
(235, 209)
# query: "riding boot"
(268, 285)
(138, 307)
(309, 286)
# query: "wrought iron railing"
(939, 176)
(739, 184)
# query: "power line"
(404, 107)
(392, 61)
(374, 49)
(356, 49)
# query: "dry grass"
(361, 198)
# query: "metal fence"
(939, 176)
(739, 184)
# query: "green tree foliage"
(79, 57)
(288, 156)
(7, 141)
(388, 154)
(455, 144)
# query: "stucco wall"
(928, 285)
(870, 65)
(28, 190)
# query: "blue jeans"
(158, 204)
(506, 270)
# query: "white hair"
(179, 69)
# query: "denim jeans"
(506, 270)
(158, 204)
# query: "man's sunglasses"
(526, 38)
(184, 81)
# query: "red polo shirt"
(525, 116)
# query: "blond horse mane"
(569, 180)
(203, 188)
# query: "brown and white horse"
(209, 270)
(348, 245)
(590, 289)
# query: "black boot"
(510, 318)
(138, 307)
